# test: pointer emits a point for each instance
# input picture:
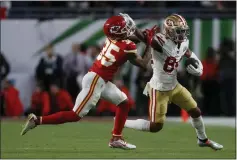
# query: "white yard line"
(214, 121)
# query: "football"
(191, 61)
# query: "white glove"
(194, 71)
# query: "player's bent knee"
(123, 102)
(194, 112)
(155, 127)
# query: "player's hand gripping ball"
(193, 67)
(191, 61)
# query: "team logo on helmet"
(170, 22)
(114, 29)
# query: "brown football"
(191, 61)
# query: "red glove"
(151, 32)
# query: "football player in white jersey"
(169, 47)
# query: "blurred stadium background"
(40, 40)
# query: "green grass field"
(90, 140)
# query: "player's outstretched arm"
(134, 39)
(142, 36)
(137, 60)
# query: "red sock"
(120, 118)
(60, 117)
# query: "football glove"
(150, 33)
(194, 71)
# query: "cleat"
(211, 144)
(30, 124)
(120, 143)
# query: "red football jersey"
(112, 56)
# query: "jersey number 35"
(105, 56)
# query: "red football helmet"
(119, 27)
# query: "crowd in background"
(58, 83)
(44, 10)
(86, 4)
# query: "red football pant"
(60, 117)
(71, 116)
(120, 118)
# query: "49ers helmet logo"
(114, 29)
(170, 22)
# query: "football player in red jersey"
(97, 82)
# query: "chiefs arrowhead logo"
(114, 29)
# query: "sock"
(59, 118)
(120, 118)
(198, 124)
(139, 124)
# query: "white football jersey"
(166, 62)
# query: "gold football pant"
(159, 101)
